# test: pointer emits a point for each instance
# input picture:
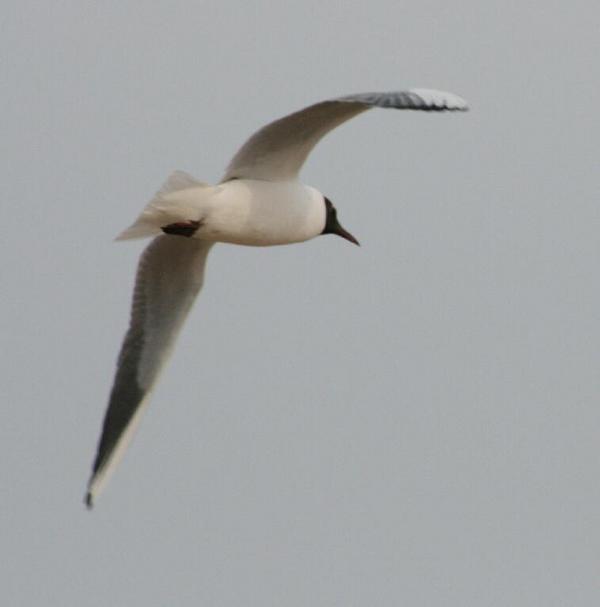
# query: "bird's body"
(240, 211)
(259, 202)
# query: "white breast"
(261, 213)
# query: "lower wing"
(170, 275)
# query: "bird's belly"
(250, 232)
(264, 217)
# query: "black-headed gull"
(259, 202)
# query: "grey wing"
(278, 150)
(170, 275)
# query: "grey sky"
(412, 422)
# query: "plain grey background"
(414, 422)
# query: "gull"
(259, 202)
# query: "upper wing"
(278, 150)
(170, 274)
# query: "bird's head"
(332, 225)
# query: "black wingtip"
(89, 501)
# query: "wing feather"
(278, 150)
(170, 275)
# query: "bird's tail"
(167, 207)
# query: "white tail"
(164, 208)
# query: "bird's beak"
(344, 234)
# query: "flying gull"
(259, 202)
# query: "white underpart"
(241, 211)
(263, 213)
